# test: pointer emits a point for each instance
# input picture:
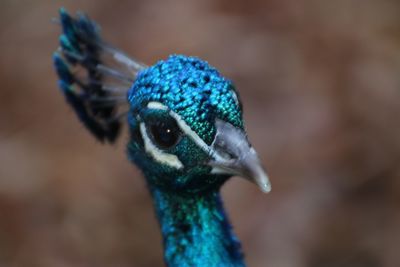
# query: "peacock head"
(187, 130)
(185, 118)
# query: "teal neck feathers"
(196, 230)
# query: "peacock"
(186, 134)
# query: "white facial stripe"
(190, 133)
(186, 129)
(235, 98)
(219, 170)
(156, 105)
(158, 155)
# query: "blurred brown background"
(320, 85)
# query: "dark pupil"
(164, 135)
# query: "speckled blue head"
(191, 88)
(197, 94)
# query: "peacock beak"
(233, 154)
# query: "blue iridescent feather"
(79, 43)
(196, 231)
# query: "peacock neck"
(196, 230)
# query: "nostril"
(225, 154)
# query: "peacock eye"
(165, 134)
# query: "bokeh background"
(320, 84)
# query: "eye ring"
(164, 134)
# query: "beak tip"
(265, 187)
(262, 180)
